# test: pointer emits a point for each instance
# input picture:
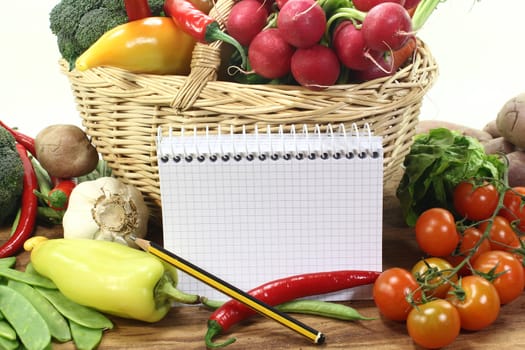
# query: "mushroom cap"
(65, 151)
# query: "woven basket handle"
(206, 59)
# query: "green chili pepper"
(107, 276)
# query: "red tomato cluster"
(310, 40)
(474, 266)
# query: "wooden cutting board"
(184, 327)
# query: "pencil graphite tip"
(133, 237)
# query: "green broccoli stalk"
(77, 24)
(11, 177)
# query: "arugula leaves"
(437, 162)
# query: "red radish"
(247, 18)
(268, 4)
(389, 63)
(366, 5)
(350, 47)
(301, 22)
(269, 54)
(410, 4)
(316, 67)
(387, 26)
(280, 3)
(382, 68)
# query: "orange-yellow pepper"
(151, 45)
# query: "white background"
(478, 45)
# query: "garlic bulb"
(106, 209)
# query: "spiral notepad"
(253, 207)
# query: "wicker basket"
(122, 111)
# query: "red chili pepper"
(27, 141)
(137, 9)
(58, 197)
(199, 25)
(283, 290)
(26, 223)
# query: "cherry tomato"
(468, 241)
(435, 272)
(502, 235)
(434, 324)
(436, 232)
(509, 284)
(475, 202)
(480, 305)
(391, 290)
(514, 206)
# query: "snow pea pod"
(83, 315)
(25, 320)
(55, 321)
(6, 331)
(85, 338)
(8, 262)
(31, 279)
(9, 344)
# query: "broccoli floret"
(69, 49)
(77, 24)
(156, 7)
(95, 23)
(113, 5)
(11, 176)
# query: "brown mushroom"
(65, 151)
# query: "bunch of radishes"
(319, 43)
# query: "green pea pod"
(8, 262)
(31, 270)
(34, 280)
(55, 321)
(85, 338)
(31, 328)
(80, 314)
(323, 309)
(9, 344)
(309, 307)
(6, 331)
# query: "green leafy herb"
(437, 162)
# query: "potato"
(492, 129)
(426, 125)
(516, 168)
(498, 146)
(511, 121)
(65, 151)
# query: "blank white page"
(250, 221)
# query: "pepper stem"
(213, 32)
(166, 289)
(215, 328)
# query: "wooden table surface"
(184, 327)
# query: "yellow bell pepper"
(151, 45)
(108, 276)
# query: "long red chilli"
(27, 141)
(282, 290)
(28, 213)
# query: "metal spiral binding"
(267, 146)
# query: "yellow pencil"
(230, 290)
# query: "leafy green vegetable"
(437, 162)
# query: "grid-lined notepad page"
(250, 219)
